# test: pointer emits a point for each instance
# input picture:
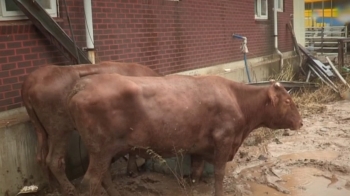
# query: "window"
(261, 9)
(280, 5)
(10, 11)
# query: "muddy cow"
(207, 117)
(44, 93)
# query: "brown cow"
(207, 117)
(44, 93)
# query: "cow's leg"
(91, 185)
(109, 186)
(132, 168)
(42, 153)
(56, 163)
(197, 167)
(222, 151)
(42, 145)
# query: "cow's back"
(127, 69)
(46, 88)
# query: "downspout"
(276, 33)
(89, 31)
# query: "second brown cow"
(207, 117)
(44, 94)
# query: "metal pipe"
(244, 49)
(322, 31)
(331, 13)
(276, 33)
(323, 80)
(337, 72)
(89, 31)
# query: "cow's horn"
(278, 84)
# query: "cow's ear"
(272, 95)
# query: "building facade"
(168, 36)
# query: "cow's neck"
(253, 102)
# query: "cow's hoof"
(189, 180)
(133, 174)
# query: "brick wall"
(285, 42)
(164, 35)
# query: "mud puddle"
(305, 182)
(326, 155)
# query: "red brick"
(12, 94)
(5, 102)
(13, 106)
(15, 58)
(14, 45)
(6, 38)
(21, 37)
(8, 52)
(22, 51)
(8, 66)
(17, 72)
(17, 99)
(30, 56)
(3, 60)
(16, 86)
(22, 78)
(24, 64)
(30, 43)
(38, 49)
(4, 88)
(10, 80)
(30, 69)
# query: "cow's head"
(282, 113)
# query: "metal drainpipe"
(89, 31)
(276, 33)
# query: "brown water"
(305, 182)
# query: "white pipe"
(275, 32)
(89, 31)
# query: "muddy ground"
(312, 162)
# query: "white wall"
(299, 21)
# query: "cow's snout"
(297, 125)
(300, 124)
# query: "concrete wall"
(260, 68)
(17, 153)
(18, 166)
(18, 140)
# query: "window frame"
(281, 3)
(19, 15)
(258, 6)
